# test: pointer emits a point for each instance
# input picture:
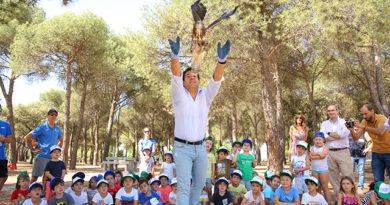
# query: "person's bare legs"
(2, 181)
(33, 179)
(324, 181)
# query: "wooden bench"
(112, 163)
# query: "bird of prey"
(200, 33)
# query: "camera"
(350, 124)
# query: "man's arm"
(175, 48)
(356, 133)
(380, 130)
(28, 139)
(60, 141)
(5, 139)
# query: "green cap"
(312, 179)
(19, 176)
(144, 175)
(128, 175)
(287, 173)
(136, 177)
(382, 189)
(302, 144)
(236, 142)
(268, 174)
(258, 180)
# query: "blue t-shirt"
(222, 200)
(46, 137)
(287, 198)
(55, 168)
(147, 143)
(269, 194)
(143, 198)
(6, 131)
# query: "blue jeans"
(379, 163)
(191, 163)
(360, 162)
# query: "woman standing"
(298, 132)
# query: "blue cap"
(54, 181)
(79, 174)
(99, 177)
(246, 141)
(109, 172)
(34, 184)
(94, 178)
(222, 179)
(319, 134)
(169, 153)
(237, 172)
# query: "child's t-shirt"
(165, 193)
(91, 192)
(313, 200)
(287, 198)
(65, 199)
(222, 200)
(222, 168)
(168, 169)
(79, 200)
(127, 198)
(146, 166)
(249, 198)
(300, 162)
(237, 191)
(269, 194)
(152, 199)
(29, 202)
(210, 161)
(55, 168)
(172, 196)
(114, 190)
(16, 192)
(245, 166)
(204, 197)
(98, 199)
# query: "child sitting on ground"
(379, 194)
(267, 176)
(246, 162)
(168, 167)
(154, 185)
(221, 195)
(35, 191)
(286, 194)
(102, 197)
(148, 196)
(113, 188)
(222, 165)
(164, 189)
(54, 168)
(269, 192)
(118, 177)
(92, 190)
(81, 175)
(236, 189)
(312, 197)
(347, 193)
(20, 193)
(60, 197)
(172, 195)
(80, 197)
(127, 195)
(300, 166)
(254, 196)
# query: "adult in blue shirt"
(46, 135)
(5, 137)
(147, 142)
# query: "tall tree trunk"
(86, 128)
(13, 152)
(96, 138)
(135, 149)
(110, 124)
(65, 146)
(273, 139)
(279, 111)
(379, 78)
(92, 140)
(117, 135)
(234, 120)
(310, 92)
(79, 126)
(370, 81)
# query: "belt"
(187, 142)
(338, 149)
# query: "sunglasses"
(146, 131)
(54, 115)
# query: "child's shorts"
(48, 194)
(208, 183)
(299, 183)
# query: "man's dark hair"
(368, 106)
(57, 183)
(188, 69)
(275, 176)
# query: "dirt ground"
(90, 171)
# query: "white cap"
(55, 147)
(302, 143)
(173, 181)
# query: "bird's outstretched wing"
(198, 11)
(224, 16)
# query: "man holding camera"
(374, 125)
(339, 158)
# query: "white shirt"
(387, 124)
(190, 114)
(250, 199)
(168, 169)
(99, 200)
(29, 202)
(80, 200)
(127, 197)
(340, 128)
(313, 200)
(146, 166)
(172, 195)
